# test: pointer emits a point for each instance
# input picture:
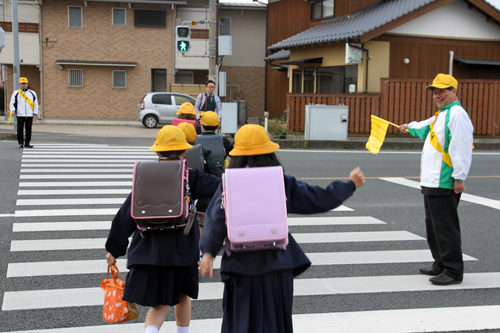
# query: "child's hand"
(357, 177)
(110, 259)
(206, 265)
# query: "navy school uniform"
(258, 285)
(165, 262)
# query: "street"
(57, 201)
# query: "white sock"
(182, 329)
(151, 329)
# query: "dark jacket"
(227, 145)
(160, 248)
(302, 198)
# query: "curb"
(8, 136)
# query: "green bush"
(276, 129)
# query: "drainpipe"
(367, 58)
(40, 113)
(450, 67)
(174, 9)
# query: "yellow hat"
(23, 80)
(443, 81)
(252, 140)
(210, 118)
(186, 108)
(170, 138)
(189, 131)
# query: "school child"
(258, 284)
(186, 111)
(164, 264)
(209, 124)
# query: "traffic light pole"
(197, 56)
(15, 37)
(212, 39)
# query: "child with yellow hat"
(209, 124)
(163, 269)
(186, 111)
(258, 285)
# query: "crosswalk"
(68, 195)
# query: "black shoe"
(28, 146)
(429, 271)
(443, 280)
(20, 145)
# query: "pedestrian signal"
(183, 38)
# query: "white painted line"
(344, 220)
(76, 165)
(59, 202)
(76, 176)
(67, 212)
(60, 226)
(52, 268)
(61, 298)
(495, 204)
(72, 192)
(79, 170)
(57, 244)
(73, 152)
(103, 157)
(79, 160)
(87, 149)
(7, 215)
(342, 208)
(74, 184)
(365, 236)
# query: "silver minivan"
(160, 107)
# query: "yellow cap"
(23, 80)
(170, 138)
(443, 81)
(189, 131)
(252, 140)
(186, 108)
(210, 118)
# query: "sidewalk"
(133, 128)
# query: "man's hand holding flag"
(378, 132)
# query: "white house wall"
(454, 20)
(27, 12)
(29, 46)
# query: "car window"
(162, 99)
(183, 99)
(143, 98)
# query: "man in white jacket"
(24, 103)
(445, 164)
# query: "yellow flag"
(377, 135)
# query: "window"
(119, 16)
(182, 99)
(75, 78)
(75, 19)
(322, 9)
(297, 80)
(152, 18)
(336, 80)
(309, 80)
(119, 79)
(165, 99)
(225, 26)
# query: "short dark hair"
(209, 128)
(172, 155)
(209, 81)
(187, 116)
(254, 161)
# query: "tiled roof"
(355, 25)
(243, 5)
(280, 55)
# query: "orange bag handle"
(114, 270)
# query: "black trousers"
(24, 123)
(443, 233)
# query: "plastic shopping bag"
(115, 309)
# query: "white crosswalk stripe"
(64, 178)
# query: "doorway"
(158, 80)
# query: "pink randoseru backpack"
(255, 204)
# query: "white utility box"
(229, 118)
(326, 122)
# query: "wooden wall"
(430, 56)
(346, 7)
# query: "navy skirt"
(150, 285)
(258, 304)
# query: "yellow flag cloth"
(377, 135)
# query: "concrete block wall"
(99, 40)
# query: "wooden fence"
(404, 100)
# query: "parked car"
(160, 107)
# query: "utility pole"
(15, 37)
(212, 38)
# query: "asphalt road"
(399, 207)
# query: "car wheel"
(150, 121)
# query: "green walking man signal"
(183, 38)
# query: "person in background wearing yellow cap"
(164, 265)
(209, 124)
(186, 111)
(24, 104)
(445, 164)
(258, 285)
